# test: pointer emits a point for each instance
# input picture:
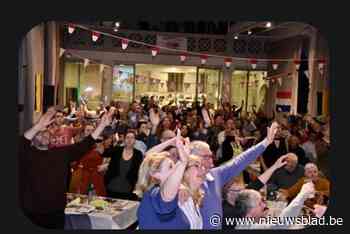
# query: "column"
(35, 63)
(226, 84)
(107, 83)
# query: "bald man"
(311, 173)
(288, 175)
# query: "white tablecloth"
(108, 218)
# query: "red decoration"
(297, 63)
(321, 64)
(154, 51)
(204, 58)
(275, 66)
(71, 28)
(253, 62)
(125, 43)
(228, 62)
(95, 36)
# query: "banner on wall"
(39, 86)
(283, 101)
(173, 42)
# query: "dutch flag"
(283, 101)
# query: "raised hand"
(107, 117)
(183, 153)
(47, 118)
(280, 162)
(271, 132)
(308, 189)
(319, 210)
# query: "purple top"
(211, 209)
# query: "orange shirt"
(321, 185)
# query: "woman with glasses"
(159, 182)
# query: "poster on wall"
(122, 82)
(172, 42)
(283, 101)
(39, 83)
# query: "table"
(118, 214)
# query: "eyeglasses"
(199, 166)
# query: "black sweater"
(43, 175)
(116, 153)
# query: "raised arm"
(170, 187)
(239, 163)
(294, 208)
(160, 147)
(268, 173)
(77, 151)
(45, 120)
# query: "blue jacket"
(212, 203)
(154, 213)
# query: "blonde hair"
(198, 194)
(149, 166)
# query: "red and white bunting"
(95, 36)
(125, 43)
(204, 58)
(253, 63)
(297, 63)
(321, 64)
(275, 66)
(228, 62)
(71, 29)
(154, 51)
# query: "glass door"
(208, 86)
(248, 88)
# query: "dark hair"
(131, 130)
(140, 123)
(217, 115)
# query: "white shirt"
(192, 213)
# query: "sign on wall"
(172, 42)
(283, 101)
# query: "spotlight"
(268, 24)
(115, 29)
(249, 32)
(117, 24)
(236, 37)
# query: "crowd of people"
(184, 164)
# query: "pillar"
(35, 64)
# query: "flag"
(283, 101)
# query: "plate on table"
(79, 208)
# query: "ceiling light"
(249, 32)
(236, 37)
(268, 24)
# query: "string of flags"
(268, 80)
(86, 61)
(155, 50)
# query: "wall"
(288, 48)
(35, 65)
